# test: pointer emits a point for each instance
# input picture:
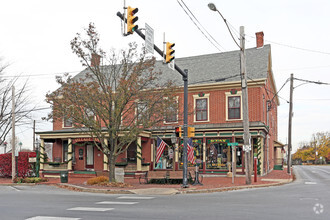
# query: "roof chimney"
(95, 61)
(260, 39)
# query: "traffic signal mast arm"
(183, 74)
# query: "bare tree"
(114, 103)
(22, 104)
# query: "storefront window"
(198, 154)
(217, 154)
(166, 161)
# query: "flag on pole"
(190, 149)
(160, 148)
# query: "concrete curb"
(167, 191)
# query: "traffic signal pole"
(184, 75)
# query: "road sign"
(149, 39)
(233, 144)
(247, 148)
(171, 65)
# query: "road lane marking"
(134, 197)
(90, 209)
(116, 203)
(310, 183)
(51, 218)
(15, 188)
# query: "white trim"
(207, 97)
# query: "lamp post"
(20, 146)
(246, 137)
(5, 146)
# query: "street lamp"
(20, 146)
(5, 144)
(212, 7)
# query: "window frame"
(229, 95)
(176, 114)
(207, 110)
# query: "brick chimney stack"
(95, 61)
(260, 39)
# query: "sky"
(35, 39)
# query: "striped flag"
(190, 151)
(160, 148)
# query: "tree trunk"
(112, 166)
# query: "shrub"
(29, 180)
(97, 180)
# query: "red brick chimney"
(260, 39)
(95, 61)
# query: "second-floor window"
(142, 112)
(171, 114)
(67, 122)
(201, 109)
(234, 107)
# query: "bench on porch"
(153, 175)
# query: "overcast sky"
(36, 34)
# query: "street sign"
(233, 144)
(247, 148)
(149, 39)
(171, 65)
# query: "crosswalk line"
(310, 183)
(116, 203)
(90, 209)
(134, 197)
(51, 218)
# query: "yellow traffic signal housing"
(131, 19)
(169, 52)
(191, 132)
(178, 131)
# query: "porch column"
(262, 155)
(105, 158)
(138, 154)
(204, 155)
(70, 154)
(176, 156)
(152, 156)
(42, 151)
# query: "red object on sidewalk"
(255, 169)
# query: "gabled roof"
(217, 67)
(221, 67)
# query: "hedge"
(24, 168)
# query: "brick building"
(215, 106)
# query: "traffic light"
(191, 132)
(169, 52)
(178, 131)
(131, 19)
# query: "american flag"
(160, 148)
(190, 149)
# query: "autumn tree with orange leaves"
(113, 102)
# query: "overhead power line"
(199, 27)
(294, 47)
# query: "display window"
(198, 154)
(217, 154)
(166, 160)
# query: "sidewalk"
(211, 183)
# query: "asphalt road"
(306, 198)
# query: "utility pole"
(13, 159)
(290, 126)
(246, 137)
